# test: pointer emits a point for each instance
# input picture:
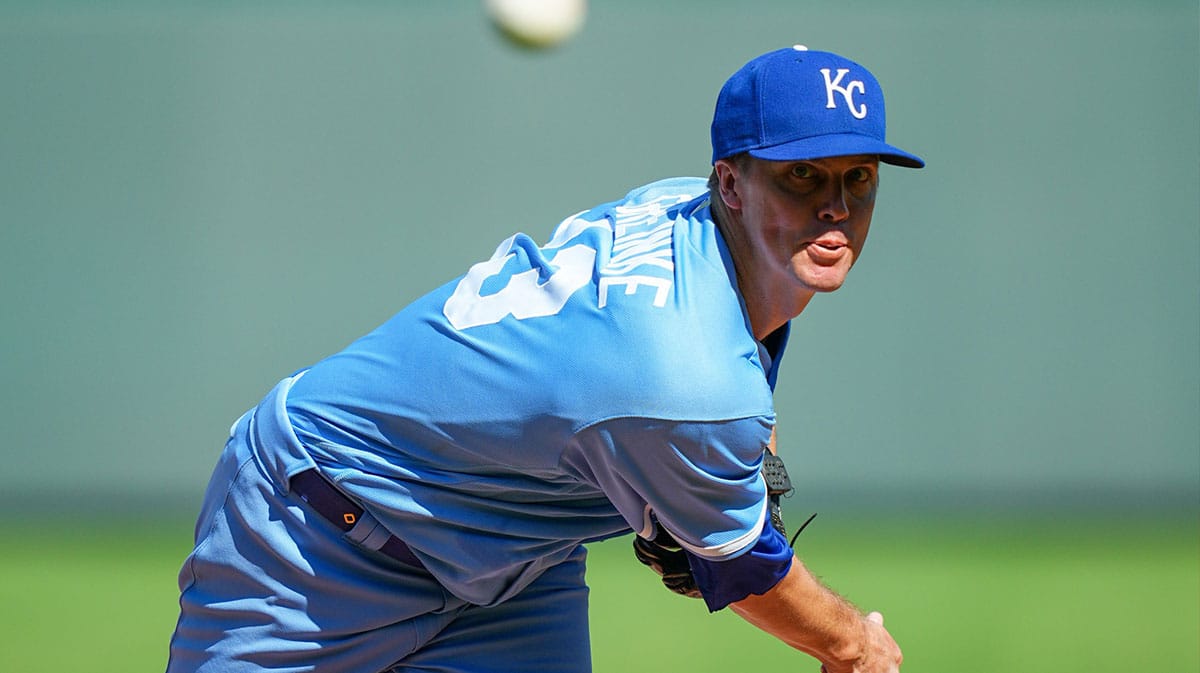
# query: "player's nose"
(832, 207)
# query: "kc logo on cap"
(847, 92)
(796, 105)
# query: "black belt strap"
(315, 489)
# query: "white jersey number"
(522, 297)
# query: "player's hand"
(880, 653)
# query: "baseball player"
(421, 500)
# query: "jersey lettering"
(642, 256)
(642, 238)
(522, 296)
(662, 287)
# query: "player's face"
(806, 221)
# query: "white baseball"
(537, 23)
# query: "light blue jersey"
(554, 395)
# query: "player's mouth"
(827, 250)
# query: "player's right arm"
(810, 617)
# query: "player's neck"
(766, 312)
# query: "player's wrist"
(845, 652)
(844, 644)
(873, 649)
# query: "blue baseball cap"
(794, 104)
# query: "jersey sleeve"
(722, 582)
(699, 480)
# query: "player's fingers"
(876, 617)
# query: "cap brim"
(838, 145)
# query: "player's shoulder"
(654, 198)
(681, 188)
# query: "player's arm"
(808, 616)
(769, 587)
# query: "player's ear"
(728, 183)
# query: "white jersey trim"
(734, 546)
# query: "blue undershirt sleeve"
(756, 571)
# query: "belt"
(314, 489)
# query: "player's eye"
(858, 175)
(802, 171)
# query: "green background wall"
(198, 198)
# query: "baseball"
(537, 24)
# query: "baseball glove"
(664, 556)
